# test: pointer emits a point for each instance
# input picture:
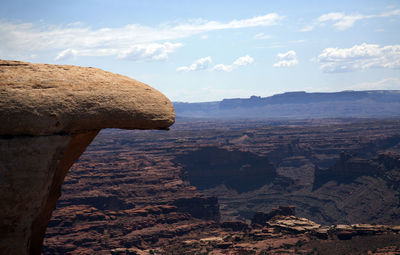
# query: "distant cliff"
(373, 103)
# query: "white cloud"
(262, 36)
(286, 59)
(28, 38)
(384, 84)
(201, 26)
(307, 28)
(197, 65)
(359, 57)
(66, 54)
(342, 21)
(153, 51)
(242, 61)
(203, 37)
(203, 63)
(390, 13)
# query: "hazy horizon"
(298, 91)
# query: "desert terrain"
(234, 187)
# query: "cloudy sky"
(198, 51)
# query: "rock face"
(32, 170)
(348, 168)
(227, 149)
(242, 171)
(198, 207)
(125, 197)
(261, 218)
(146, 196)
(49, 114)
(37, 99)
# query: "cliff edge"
(49, 114)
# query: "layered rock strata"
(124, 195)
(49, 114)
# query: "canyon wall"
(156, 192)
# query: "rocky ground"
(196, 188)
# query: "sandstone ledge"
(42, 99)
(49, 114)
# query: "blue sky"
(198, 51)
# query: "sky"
(198, 51)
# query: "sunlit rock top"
(42, 99)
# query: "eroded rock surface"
(49, 114)
(140, 169)
(40, 99)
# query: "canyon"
(210, 186)
(214, 186)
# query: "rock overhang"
(42, 99)
(49, 114)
